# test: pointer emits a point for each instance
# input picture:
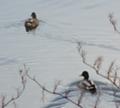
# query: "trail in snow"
(107, 95)
(60, 38)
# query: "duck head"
(33, 15)
(85, 75)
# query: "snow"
(51, 51)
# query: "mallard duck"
(31, 23)
(86, 83)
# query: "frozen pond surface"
(51, 50)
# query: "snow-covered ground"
(51, 51)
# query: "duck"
(87, 84)
(31, 23)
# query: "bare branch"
(117, 105)
(19, 91)
(2, 99)
(81, 97)
(96, 67)
(15, 105)
(65, 95)
(113, 21)
(110, 69)
(98, 62)
(56, 85)
(115, 78)
(97, 100)
(14, 98)
(79, 47)
(43, 95)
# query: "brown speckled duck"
(31, 23)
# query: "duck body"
(31, 23)
(87, 84)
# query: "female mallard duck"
(31, 23)
(86, 83)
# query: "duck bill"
(81, 76)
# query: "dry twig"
(18, 95)
(65, 95)
(115, 80)
(112, 21)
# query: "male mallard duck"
(86, 83)
(31, 23)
